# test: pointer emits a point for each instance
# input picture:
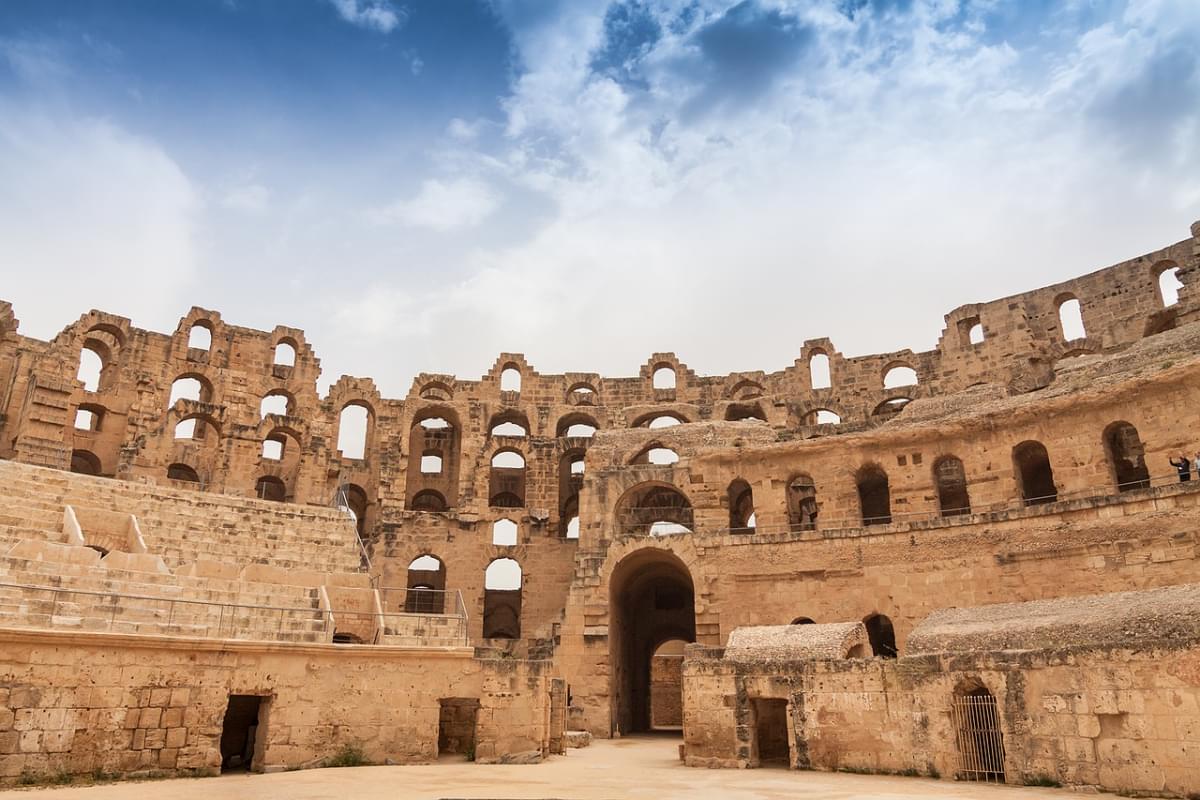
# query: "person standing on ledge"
(1185, 468)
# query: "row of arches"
(200, 338)
(655, 508)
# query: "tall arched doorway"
(652, 601)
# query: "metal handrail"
(342, 501)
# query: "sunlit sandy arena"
(643, 766)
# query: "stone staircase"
(81, 596)
(179, 525)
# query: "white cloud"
(247, 198)
(443, 205)
(90, 217)
(377, 15)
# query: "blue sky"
(420, 185)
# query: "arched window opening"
(502, 600)
(899, 376)
(182, 472)
(431, 463)
(738, 412)
(510, 379)
(803, 621)
(661, 455)
(577, 466)
(85, 462)
(582, 394)
(951, 479)
(663, 378)
(435, 390)
(425, 586)
(352, 431)
(1127, 455)
(882, 636)
(275, 403)
(509, 429)
(573, 528)
(655, 509)
(889, 408)
(581, 430)
(506, 484)
(270, 488)
(436, 432)
(664, 422)
(570, 482)
(1169, 286)
(741, 507)
(977, 735)
(802, 503)
(1070, 319)
(272, 447)
(504, 533)
(91, 364)
(975, 334)
(188, 388)
(1035, 478)
(285, 355)
(199, 337)
(508, 459)
(822, 416)
(352, 499)
(428, 500)
(818, 371)
(874, 495)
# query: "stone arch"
(503, 581)
(569, 425)
(874, 494)
(950, 479)
(740, 498)
(1035, 477)
(1126, 456)
(506, 479)
(802, 502)
(652, 503)
(651, 601)
(85, 462)
(435, 430)
(882, 635)
(425, 585)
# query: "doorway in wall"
(771, 733)
(242, 719)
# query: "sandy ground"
(638, 767)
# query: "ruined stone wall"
(1121, 720)
(72, 703)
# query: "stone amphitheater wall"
(86, 704)
(1121, 720)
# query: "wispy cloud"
(443, 205)
(377, 15)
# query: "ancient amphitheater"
(974, 563)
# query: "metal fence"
(978, 738)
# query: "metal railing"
(341, 501)
(635, 522)
(163, 616)
(977, 736)
(113, 611)
(414, 611)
